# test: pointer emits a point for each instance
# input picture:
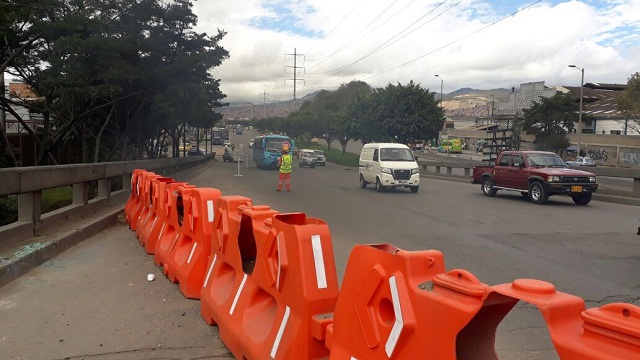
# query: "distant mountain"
(464, 102)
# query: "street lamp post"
(441, 85)
(580, 112)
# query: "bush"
(8, 209)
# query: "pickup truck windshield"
(546, 160)
(395, 154)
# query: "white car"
(307, 158)
(582, 161)
(251, 143)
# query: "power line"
(351, 42)
(343, 68)
(455, 41)
(319, 41)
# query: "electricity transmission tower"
(295, 75)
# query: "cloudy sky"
(481, 44)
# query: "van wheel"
(487, 187)
(363, 184)
(582, 199)
(414, 189)
(379, 186)
(537, 195)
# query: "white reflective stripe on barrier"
(138, 187)
(175, 241)
(353, 358)
(235, 300)
(210, 210)
(153, 224)
(283, 325)
(399, 324)
(213, 263)
(318, 260)
(278, 276)
(193, 249)
(161, 231)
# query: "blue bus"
(268, 148)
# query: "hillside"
(465, 102)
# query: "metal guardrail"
(464, 169)
(29, 182)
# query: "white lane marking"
(213, 263)
(210, 210)
(399, 324)
(318, 260)
(283, 325)
(235, 300)
(193, 249)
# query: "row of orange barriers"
(268, 281)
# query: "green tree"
(105, 69)
(629, 102)
(398, 113)
(549, 119)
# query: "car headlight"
(385, 170)
(415, 171)
(553, 178)
(592, 179)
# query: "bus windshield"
(267, 149)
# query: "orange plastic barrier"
(392, 306)
(609, 332)
(152, 233)
(142, 210)
(134, 197)
(148, 216)
(174, 213)
(191, 252)
(274, 307)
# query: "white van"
(388, 165)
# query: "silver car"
(307, 158)
(582, 161)
(321, 159)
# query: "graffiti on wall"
(599, 155)
(630, 156)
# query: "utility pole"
(264, 102)
(295, 75)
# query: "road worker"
(285, 162)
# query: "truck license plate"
(576, 189)
(402, 181)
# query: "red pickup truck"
(536, 175)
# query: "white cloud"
(454, 40)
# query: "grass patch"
(56, 198)
(334, 156)
(52, 199)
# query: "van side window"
(504, 160)
(375, 155)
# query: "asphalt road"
(590, 251)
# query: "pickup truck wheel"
(582, 199)
(379, 186)
(363, 184)
(414, 189)
(537, 195)
(487, 187)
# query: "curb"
(36, 253)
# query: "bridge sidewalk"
(81, 291)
